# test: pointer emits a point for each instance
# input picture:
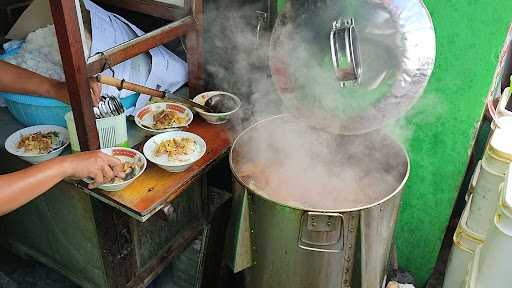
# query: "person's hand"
(60, 91)
(95, 90)
(102, 168)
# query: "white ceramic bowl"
(12, 142)
(144, 117)
(215, 118)
(124, 154)
(171, 165)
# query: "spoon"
(221, 103)
(130, 174)
(122, 84)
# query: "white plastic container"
(465, 243)
(494, 165)
(501, 110)
(483, 198)
(472, 271)
(492, 268)
(112, 132)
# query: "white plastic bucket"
(483, 197)
(501, 110)
(472, 271)
(112, 132)
(492, 268)
(489, 175)
(488, 178)
(465, 243)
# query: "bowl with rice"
(133, 165)
(175, 151)
(39, 143)
(163, 117)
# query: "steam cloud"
(288, 158)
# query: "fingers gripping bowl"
(134, 165)
(175, 151)
(39, 143)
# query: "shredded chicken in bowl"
(168, 119)
(177, 149)
(39, 143)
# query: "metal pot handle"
(321, 232)
(345, 52)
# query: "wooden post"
(64, 14)
(195, 51)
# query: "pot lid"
(351, 66)
(295, 165)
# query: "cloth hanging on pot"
(168, 71)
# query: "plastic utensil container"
(112, 132)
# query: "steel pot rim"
(362, 207)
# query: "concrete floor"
(16, 272)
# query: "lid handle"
(345, 52)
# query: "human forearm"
(15, 79)
(18, 188)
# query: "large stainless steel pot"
(346, 67)
(307, 193)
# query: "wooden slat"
(156, 187)
(73, 59)
(195, 51)
(142, 44)
(150, 7)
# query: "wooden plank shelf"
(156, 187)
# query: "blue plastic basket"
(33, 110)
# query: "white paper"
(168, 71)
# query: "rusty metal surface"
(115, 243)
(159, 230)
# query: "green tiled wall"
(470, 34)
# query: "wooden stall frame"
(67, 28)
(76, 70)
(118, 221)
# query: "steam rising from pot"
(287, 159)
(290, 163)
